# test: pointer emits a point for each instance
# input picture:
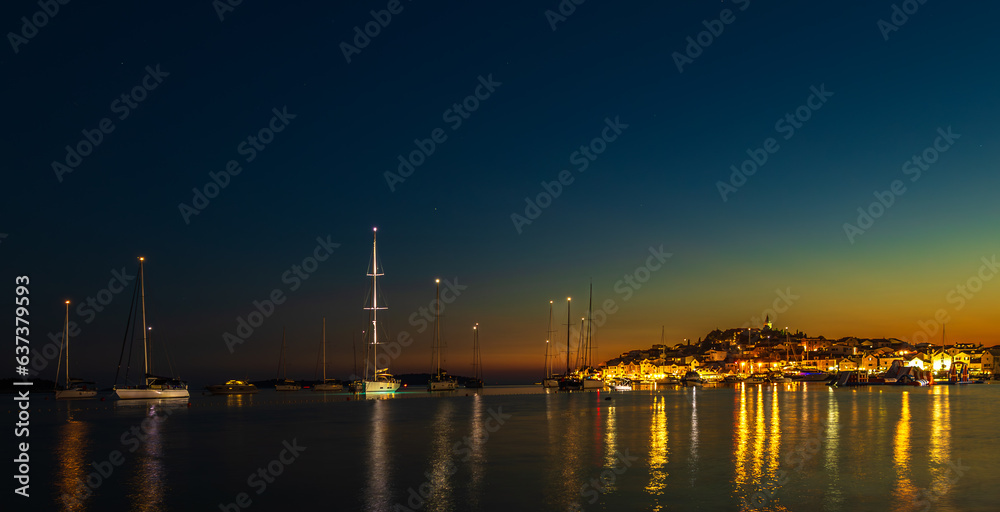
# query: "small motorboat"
(233, 387)
(692, 377)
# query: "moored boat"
(376, 380)
(233, 387)
(73, 388)
(692, 377)
(154, 387)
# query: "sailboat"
(326, 385)
(585, 376)
(379, 380)
(550, 380)
(154, 386)
(74, 388)
(477, 361)
(569, 381)
(284, 384)
(440, 381)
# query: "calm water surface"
(802, 447)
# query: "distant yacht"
(477, 361)
(326, 385)
(692, 377)
(74, 388)
(377, 380)
(284, 384)
(233, 387)
(440, 380)
(154, 387)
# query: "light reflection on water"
(72, 452)
(379, 467)
(883, 445)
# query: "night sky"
(491, 104)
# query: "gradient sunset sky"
(556, 82)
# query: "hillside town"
(746, 351)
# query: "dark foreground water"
(802, 447)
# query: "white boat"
(778, 378)
(326, 385)
(620, 384)
(376, 380)
(756, 378)
(154, 386)
(233, 387)
(73, 388)
(284, 384)
(440, 380)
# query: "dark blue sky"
(657, 183)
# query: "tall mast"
(142, 294)
(284, 362)
(548, 337)
(374, 309)
(324, 349)
(66, 343)
(569, 322)
(476, 364)
(436, 348)
(589, 358)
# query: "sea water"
(769, 447)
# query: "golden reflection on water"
(379, 464)
(693, 458)
(477, 456)
(610, 438)
(236, 401)
(442, 464)
(659, 452)
(72, 473)
(903, 491)
(940, 445)
(760, 437)
(741, 438)
(148, 482)
(774, 441)
(834, 495)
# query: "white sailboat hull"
(550, 383)
(75, 393)
(447, 385)
(379, 387)
(135, 394)
(287, 387)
